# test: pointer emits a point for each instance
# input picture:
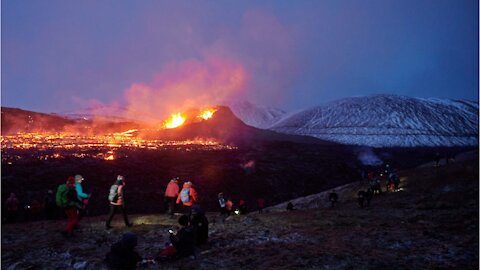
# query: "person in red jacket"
(171, 194)
(188, 196)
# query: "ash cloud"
(250, 62)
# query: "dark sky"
(155, 57)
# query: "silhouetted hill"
(18, 120)
(225, 127)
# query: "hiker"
(260, 204)
(290, 206)
(36, 209)
(450, 157)
(437, 159)
(12, 208)
(49, 205)
(66, 197)
(116, 198)
(122, 255)
(242, 207)
(83, 197)
(199, 223)
(222, 204)
(188, 196)
(368, 196)
(333, 198)
(229, 206)
(171, 194)
(374, 184)
(361, 198)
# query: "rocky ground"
(431, 224)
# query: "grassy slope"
(433, 224)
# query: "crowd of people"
(73, 201)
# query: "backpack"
(113, 195)
(221, 201)
(185, 195)
(61, 197)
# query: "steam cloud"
(368, 157)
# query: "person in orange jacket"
(188, 196)
(171, 194)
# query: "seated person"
(182, 243)
(122, 254)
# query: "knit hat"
(70, 180)
(78, 178)
(129, 240)
(183, 220)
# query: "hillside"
(388, 121)
(18, 120)
(432, 223)
(257, 116)
(226, 127)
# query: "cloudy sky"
(155, 57)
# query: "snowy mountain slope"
(253, 115)
(387, 121)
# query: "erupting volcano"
(174, 121)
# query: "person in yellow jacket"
(188, 196)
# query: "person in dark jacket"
(200, 225)
(333, 198)
(12, 204)
(368, 196)
(50, 205)
(122, 254)
(361, 198)
(184, 239)
(290, 206)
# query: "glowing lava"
(207, 113)
(174, 121)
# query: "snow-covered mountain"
(388, 121)
(253, 115)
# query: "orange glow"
(207, 114)
(174, 121)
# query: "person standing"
(188, 196)
(83, 197)
(221, 204)
(171, 194)
(199, 223)
(12, 208)
(66, 197)
(260, 204)
(116, 198)
(50, 206)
